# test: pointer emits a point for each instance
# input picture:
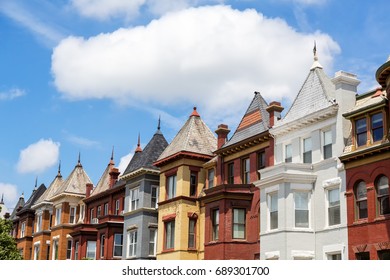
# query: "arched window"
(382, 194)
(361, 200)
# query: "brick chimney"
(89, 188)
(114, 174)
(274, 109)
(222, 132)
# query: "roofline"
(183, 154)
(356, 154)
(103, 193)
(366, 109)
(139, 171)
(385, 67)
(248, 142)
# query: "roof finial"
(316, 64)
(79, 160)
(315, 50)
(112, 153)
(159, 122)
(59, 169)
(195, 113)
(138, 149)
(36, 183)
(2, 198)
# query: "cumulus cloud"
(12, 94)
(38, 156)
(124, 162)
(214, 57)
(10, 193)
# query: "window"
(333, 207)
(327, 144)
(301, 200)
(134, 199)
(171, 191)
(69, 250)
(117, 207)
(261, 160)
(361, 200)
(193, 183)
(362, 256)
(82, 213)
(154, 197)
(215, 224)
(246, 171)
(72, 215)
(210, 178)
(36, 252)
(106, 209)
(191, 233)
(102, 243)
(91, 215)
(39, 223)
(238, 223)
(334, 256)
(384, 254)
(23, 230)
(288, 153)
(58, 216)
(132, 241)
(230, 172)
(48, 252)
(55, 250)
(118, 243)
(377, 127)
(273, 210)
(307, 150)
(169, 235)
(50, 220)
(152, 242)
(382, 193)
(91, 250)
(361, 132)
(76, 250)
(99, 211)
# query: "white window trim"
(274, 255)
(71, 248)
(308, 208)
(334, 249)
(285, 154)
(129, 234)
(303, 148)
(75, 214)
(302, 255)
(58, 221)
(269, 194)
(155, 241)
(157, 195)
(132, 191)
(323, 131)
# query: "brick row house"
(367, 162)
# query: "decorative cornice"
(138, 172)
(182, 154)
(244, 144)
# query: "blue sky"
(82, 76)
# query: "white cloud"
(213, 57)
(38, 156)
(81, 141)
(124, 162)
(12, 94)
(10, 193)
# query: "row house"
(302, 195)
(142, 179)
(181, 217)
(25, 228)
(367, 162)
(231, 201)
(99, 234)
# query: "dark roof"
(18, 206)
(146, 157)
(37, 192)
(254, 122)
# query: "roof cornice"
(182, 154)
(244, 144)
(138, 172)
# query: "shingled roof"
(316, 93)
(194, 137)
(51, 190)
(19, 205)
(75, 184)
(145, 158)
(37, 192)
(255, 121)
(104, 181)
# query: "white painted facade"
(307, 192)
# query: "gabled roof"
(51, 190)
(75, 184)
(104, 181)
(18, 206)
(255, 121)
(37, 192)
(194, 137)
(316, 93)
(145, 158)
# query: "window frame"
(117, 206)
(193, 183)
(23, 229)
(246, 170)
(288, 153)
(215, 224)
(58, 216)
(306, 224)
(117, 246)
(171, 185)
(376, 128)
(74, 208)
(382, 197)
(238, 224)
(363, 132)
(93, 252)
(69, 244)
(76, 250)
(134, 198)
(132, 237)
(327, 147)
(39, 223)
(307, 150)
(102, 245)
(210, 178)
(359, 201)
(154, 196)
(335, 206)
(191, 233)
(272, 209)
(230, 172)
(152, 241)
(169, 234)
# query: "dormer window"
(369, 129)
(361, 132)
(377, 127)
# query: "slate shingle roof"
(145, 158)
(104, 181)
(18, 205)
(37, 192)
(194, 137)
(254, 122)
(316, 93)
(50, 191)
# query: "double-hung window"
(106, 209)
(72, 215)
(191, 233)
(118, 243)
(193, 183)
(169, 235)
(154, 197)
(230, 171)
(23, 230)
(301, 201)
(215, 224)
(361, 200)
(334, 207)
(132, 243)
(91, 250)
(382, 193)
(117, 205)
(377, 127)
(134, 199)
(288, 153)
(327, 148)
(39, 223)
(239, 223)
(152, 241)
(246, 171)
(273, 210)
(58, 216)
(307, 147)
(102, 245)
(211, 178)
(171, 186)
(69, 249)
(361, 132)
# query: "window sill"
(361, 221)
(168, 250)
(382, 218)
